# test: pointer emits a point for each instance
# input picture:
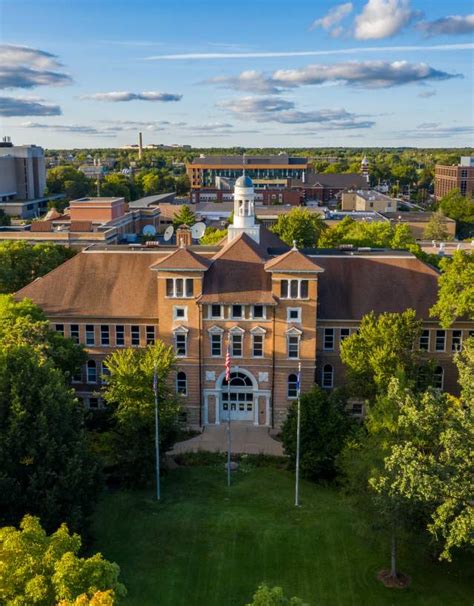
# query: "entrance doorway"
(237, 398)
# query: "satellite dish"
(169, 231)
(149, 230)
(197, 230)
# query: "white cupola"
(244, 210)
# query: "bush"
(324, 428)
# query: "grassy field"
(205, 545)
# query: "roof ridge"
(254, 246)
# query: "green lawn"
(205, 545)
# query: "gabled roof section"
(182, 259)
(237, 275)
(242, 248)
(293, 261)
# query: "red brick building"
(274, 307)
(459, 177)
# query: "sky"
(254, 73)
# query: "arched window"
(238, 379)
(438, 377)
(292, 386)
(328, 376)
(91, 371)
(181, 383)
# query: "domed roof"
(244, 181)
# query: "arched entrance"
(238, 396)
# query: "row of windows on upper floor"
(428, 337)
(105, 335)
(217, 311)
(183, 288)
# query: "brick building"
(275, 308)
(459, 177)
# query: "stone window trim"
(296, 311)
(181, 331)
(293, 337)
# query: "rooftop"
(250, 161)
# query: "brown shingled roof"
(351, 287)
(293, 261)
(182, 259)
(100, 285)
(237, 275)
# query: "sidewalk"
(246, 438)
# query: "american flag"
(298, 380)
(227, 364)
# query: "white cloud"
(436, 130)
(282, 111)
(25, 67)
(78, 129)
(27, 106)
(312, 53)
(330, 22)
(121, 96)
(364, 74)
(454, 25)
(427, 94)
(383, 19)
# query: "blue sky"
(213, 73)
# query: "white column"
(206, 410)
(217, 399)
(256, 407)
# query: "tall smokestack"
(140, 146)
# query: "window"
(456, 342)
(236, 345)
(181, 383)
(258, 312)
(328, 344)
(74, 332)
(328, 376)
(59, 328)
(104, 335)
(357, 409)
(150, 335)
(425, 340)
(119, 335)
(292, 386)
(438, 378)
(90, 337)
(257, 346)
(94, 403)
(180, 344)
(216, 311)
(294, 289)
(216, 345)
(135, 335)
(293, 346)
(293, 314)
(237, 312)
(180, 313)
(105, 372)
(179, 288)
(91, 371)
(345, 332)
(440, 344)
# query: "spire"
(294, 245)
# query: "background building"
(367, 200)
(459, 177)
(22, 179)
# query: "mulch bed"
(399, 582)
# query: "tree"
(464, 361)
(324, 429)
(185, 216)
(273, 596)
(41, 569)
(300, 225)
(374, 235)
(436, 228)
(5, 219)
(455, 206)
(117, 185)
(129, 391)
(455, 289)
(212, 235)
(69, 181)
(432, 463)
(47, 469)
(21, 263)
(383, 347)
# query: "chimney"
(140, 146)
(183, 236)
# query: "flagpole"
(157, 433)
(298, 431)
(229, 408)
